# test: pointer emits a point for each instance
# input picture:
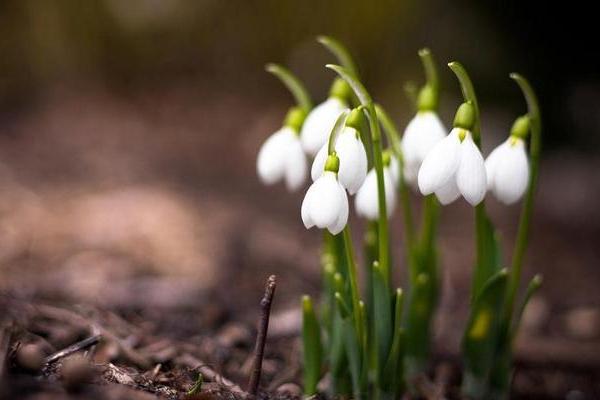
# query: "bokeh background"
(129, 131)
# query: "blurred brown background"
(129, 130)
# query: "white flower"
(454, 167)
(281, 157)
(325, 204)
(319, 123)
(422, 133)
(353, 160)
(507, 170)
(367, 199)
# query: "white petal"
(395, 170)
(390, 192)
(295, 173)
(342, 219)
(492, 161)
(411, 171)
(423, 132)
(470, 176)
(270, 163)
(353, 160)
(318, 164)
(307, 206)
(448, 193)
(440, 164)
(326, 203)
(366, 202)
(512, 173)
(319, 123)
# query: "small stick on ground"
(67, 351)
(261, 336)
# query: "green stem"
(526, 211)
(353, 280)
(469, 95)
(367, 102)
(431, 73)
(293, 84)
(340, 52)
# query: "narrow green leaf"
(293, 84)
(481, 336)
(490, 260)
(532, 288)
(382, 319)
(393, 378)
(418, 325)
(311, 340)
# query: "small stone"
(583, 323)
(76, 372)
(30, 357)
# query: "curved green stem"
(337, 128)
(469, 95)
(340, 52)
(293, 84)
(468, 92)
(394, 139)
(367, 102)
(431, 73)
(526, 211)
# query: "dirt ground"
(139, 218)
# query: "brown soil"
(140, 220)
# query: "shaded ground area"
(140, 218)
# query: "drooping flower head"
(351, 152)
(281, 156)
(320, 120)
(367, 198)
(325, 204)
(507, 165)
(455, 166)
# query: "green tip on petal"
(333, 163)
(520, 128)
(465, 116)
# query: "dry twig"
(261, 336)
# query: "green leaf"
(481, 336)
(418, 325)
(339, 125)
(293, 84)
(490, 260)
(352, 346)
(311, 340)
(382, 319)
(532, 288)
(393, 378)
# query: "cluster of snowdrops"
(377, 347)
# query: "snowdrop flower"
(455, 165)
(367, 199)
(281, 156)
(320, 120)
(507, 167)
(325, 204)
(422, 133)
(353, 160)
